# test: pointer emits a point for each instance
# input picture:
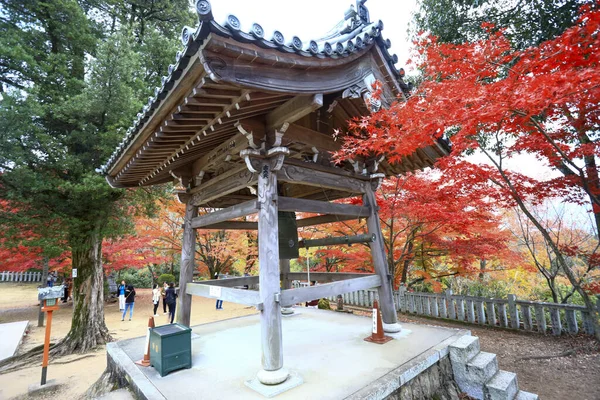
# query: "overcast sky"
(311, 19)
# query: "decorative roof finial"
(204, 10)
(363, 11)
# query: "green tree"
(527, 22)
(73, 76)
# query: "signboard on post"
(74, 273)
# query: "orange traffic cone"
(145, 362)
(377, 336)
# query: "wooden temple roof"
(227, 84)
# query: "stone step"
(464, 349)
(502, 386)
(522, 395)
(482, 367)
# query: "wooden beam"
(323, 219)
(326, 276)
(304, 175)
(300, 295)
(309, 137)
(222, 185)
(237, 211)
(239, 296)
(234, 225)
(292, 110)
(231, 282)
(321, 207)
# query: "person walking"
(156, 295)
(49, 280)
(121, 291)
(171, 297)
(129, 301)
(164, 297)
(219, 305)
(67, 286)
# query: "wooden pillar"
(386, 300)
(188, 250)
(272, 371)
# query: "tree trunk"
(44, 283)
(88, 328)
(482, 265)
(407, 261)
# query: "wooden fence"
(510, 313)
(7, 276)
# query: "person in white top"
(156, 295)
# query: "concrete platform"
(326, 349)
(12, 335)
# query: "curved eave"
(274, 55)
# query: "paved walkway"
(326, 349)
(11, 334)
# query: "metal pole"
(307, 267)
(46, 348)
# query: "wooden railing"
(9, 276)
(510, 313)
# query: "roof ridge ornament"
(363, 11)
(204, 10)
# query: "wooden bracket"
(376, 180)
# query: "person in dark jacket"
(129, 301)
(171, 299)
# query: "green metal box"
(170, 348)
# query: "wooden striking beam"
(237, 211)
(340, 240)
(326, 276)
(232, 282)
(300, 295)
(321, 207)
(239, 296)
(293, 109)
(234, 225)
(305, 175)
(323, 219)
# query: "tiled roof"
(351, 35)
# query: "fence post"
(502, 315)
(460, 305)
(527, 321)
(540, 318)
(434, 307)
(470, 311)
(491, 313)
(555, 318)
(571, 321)
(402, 303)
(411, 303)
(450, 301)
(480, 312)
(443, 307)
(513, 311)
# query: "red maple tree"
(497, 103)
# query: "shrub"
(166, 278)
(139, 278)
